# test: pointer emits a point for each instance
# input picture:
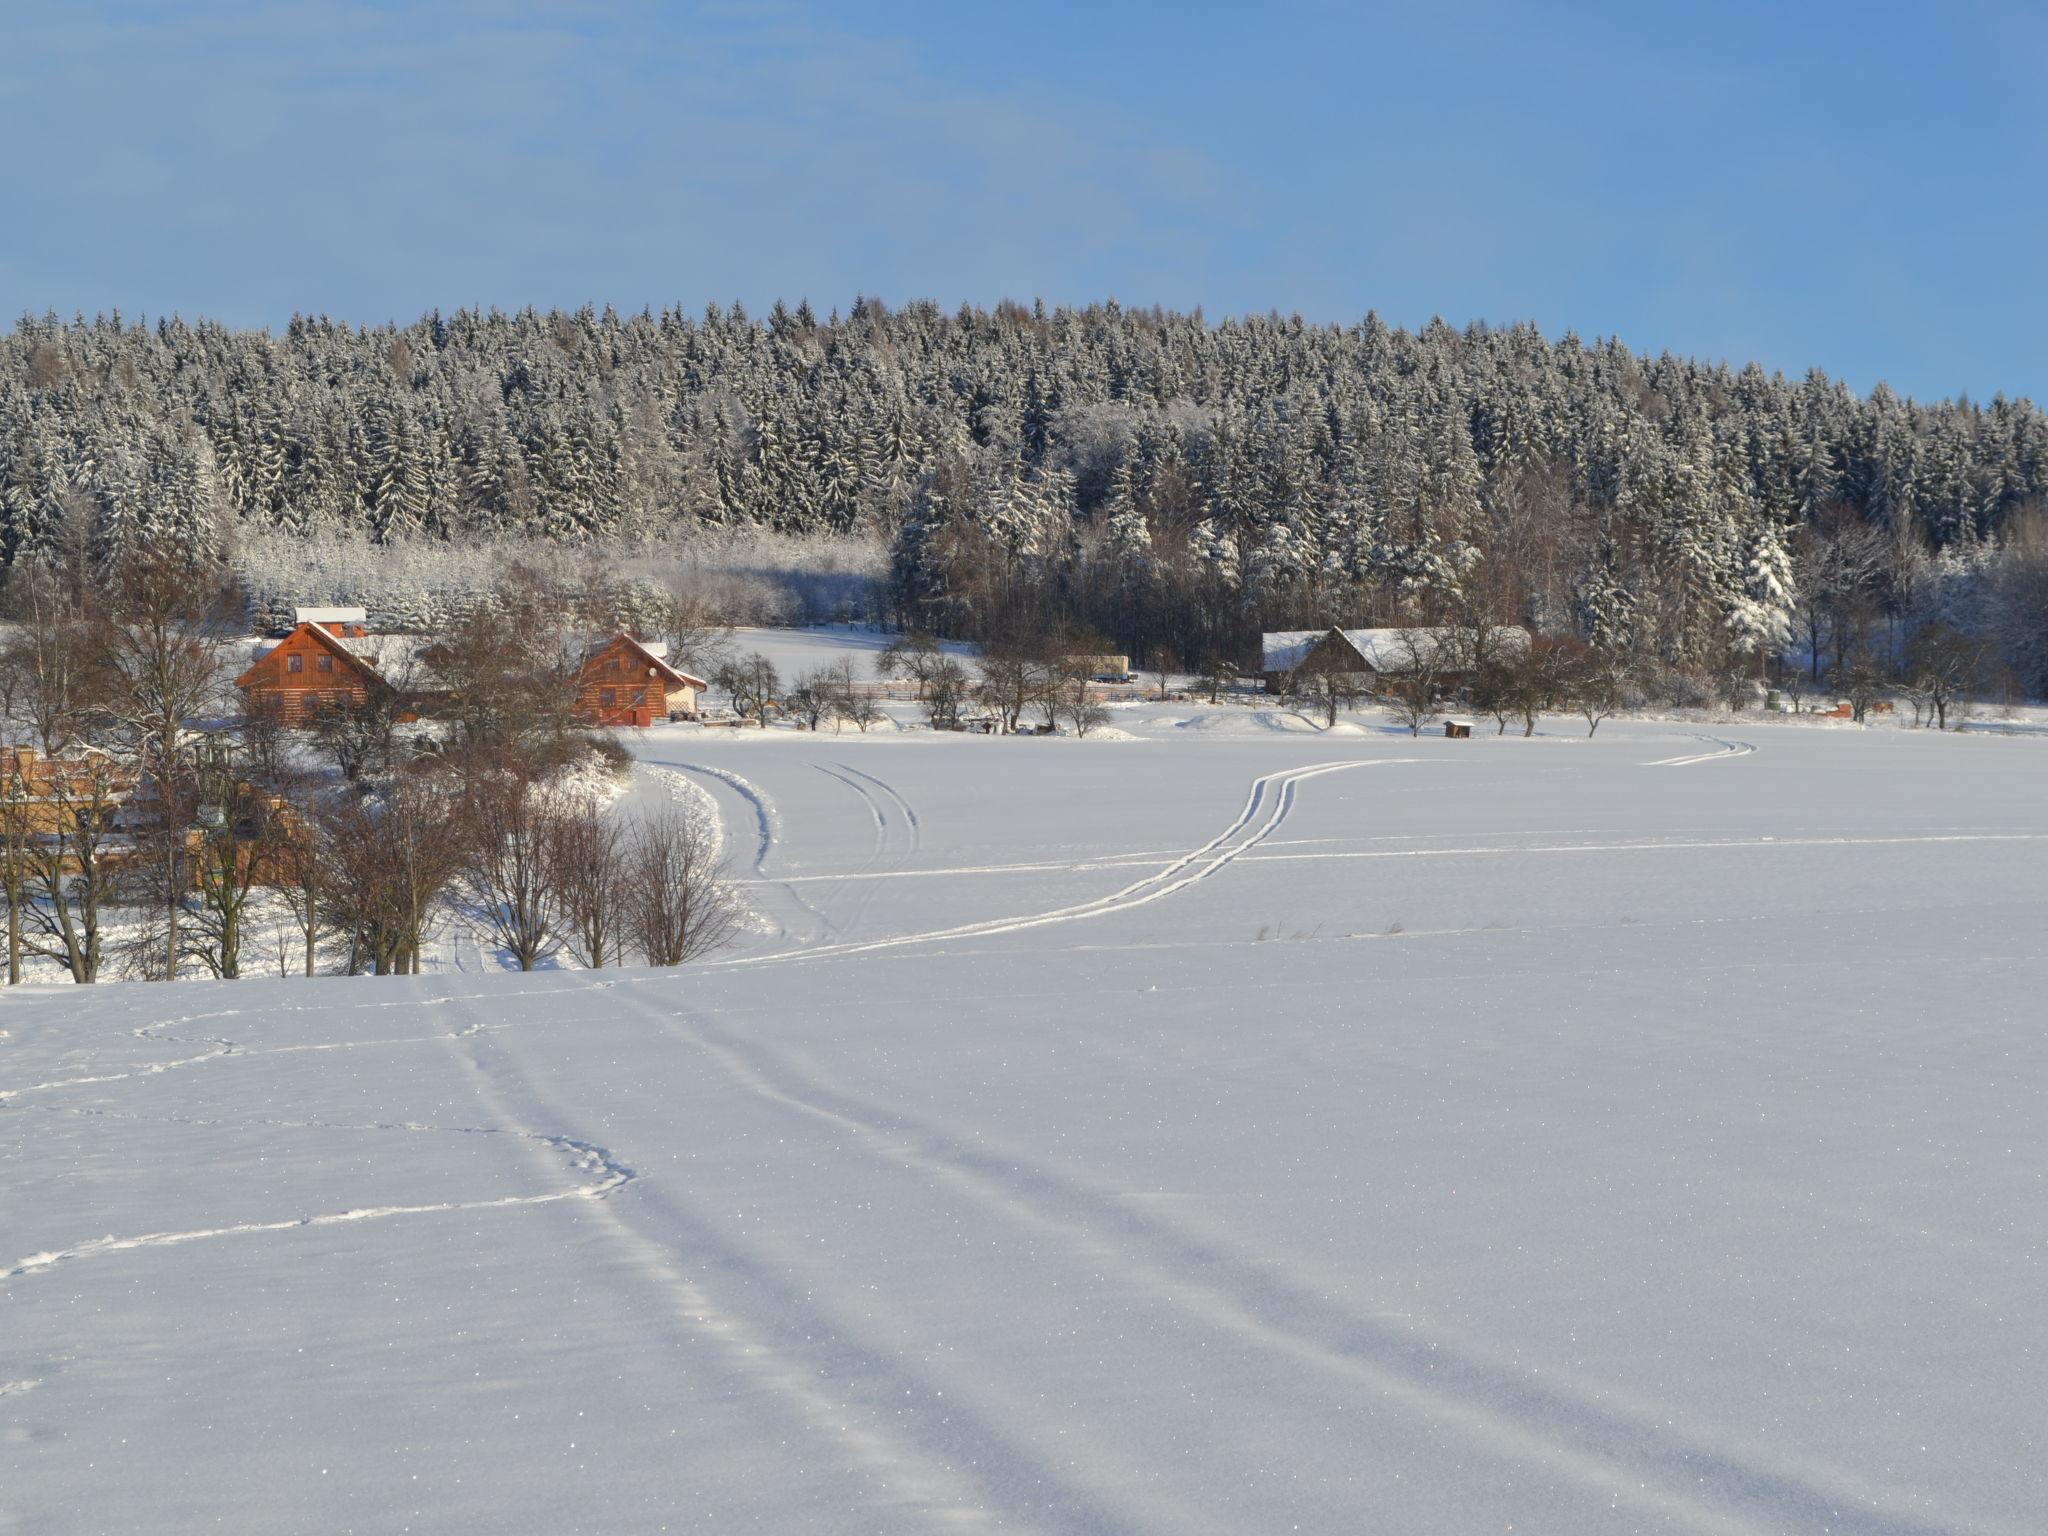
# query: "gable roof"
(321, 638)
(1381, 650)
(655, 659)
(1286, 649)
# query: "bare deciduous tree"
(1945, 667)
(1597, 682)
(1161, 664)
(162, 643)
(1861, 680)
(1013, 678)
(63, 792)
(243, 828)
(506, 868)
(813, 699)
(1327, 692)
(589, 859)
(915, 656)
(945, 692)
(391, 859)
(680, 906)
(1080, 710)
(751, 683)
(1413, 686)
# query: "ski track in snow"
(903, 806)
(1722, 749)
(746, 1352)
(1273, 793)
(1633, 1452)
(699, 809)
(767, 817)
(866, 889)
(867, 799)
(1637, 1453)
(768, 822)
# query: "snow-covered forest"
(1170, 482)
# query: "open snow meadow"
(1233, 1127)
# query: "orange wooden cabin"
(307, 673)
(40, 796)
(630, 682)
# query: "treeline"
(153, 823)
(1167, 481)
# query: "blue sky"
(1855, 187)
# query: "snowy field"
(1235, 1129)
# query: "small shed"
(1458, 730)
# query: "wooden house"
(630, 682)
(310, 671)
(41, 796)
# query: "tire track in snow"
(1596, 1438)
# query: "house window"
(324, 664)
(295, 663)
(639, 698)
(607, 697)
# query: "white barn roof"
(330, 616)
(1384, 650)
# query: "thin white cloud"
(372, 159)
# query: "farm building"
(1368, 654)
(630, 682)
(1107, 667)
(310, 670)
(40, 796)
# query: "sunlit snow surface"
(1238, 1129)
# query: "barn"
(630, 682)
(1373, 654)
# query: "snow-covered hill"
(1230, 1130)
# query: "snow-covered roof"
(1285, 647)
(385, 652)
(330, 616)
(1384, 650)
(658, 649)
